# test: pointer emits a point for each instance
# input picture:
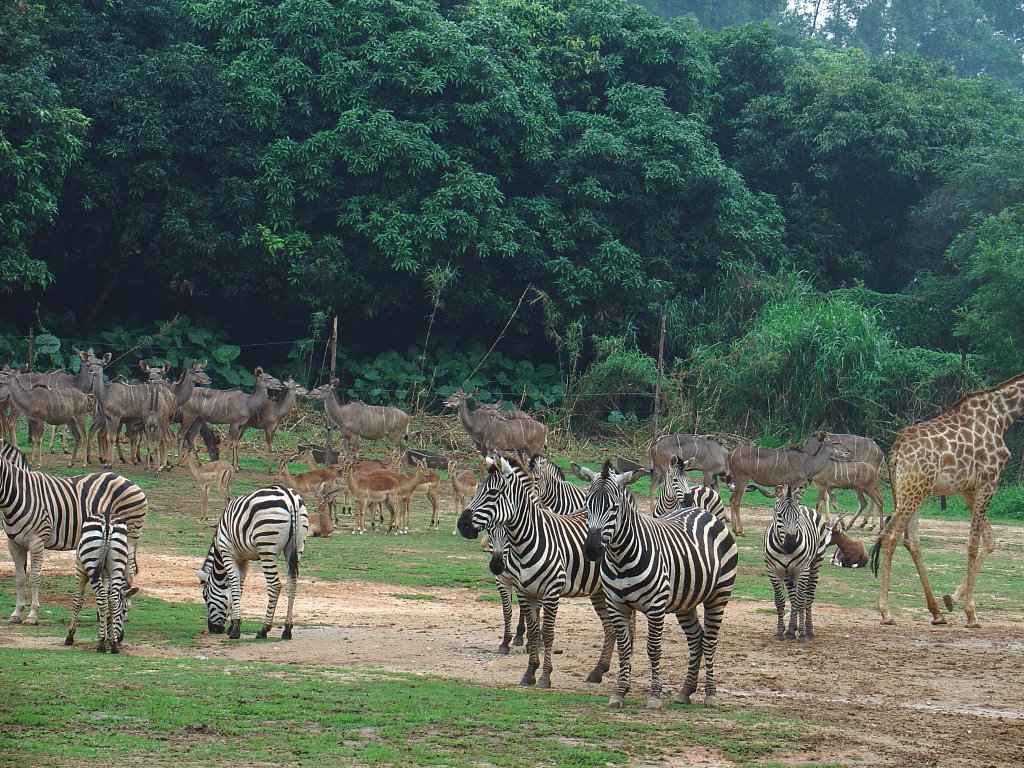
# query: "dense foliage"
(828, 217)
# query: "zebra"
(102, 559)
(676, 492)
(543, 558)
(43, 512)
(657, 566)
(257, 526)
(556, 492)
(794, 545)
(497, 542)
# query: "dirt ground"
(904, 695)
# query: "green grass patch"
(86, 709)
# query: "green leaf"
(47, 344)
(225, 353)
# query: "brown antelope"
(373, 486)
(163, 401)
(362, 467)
(408, 483)
(431, 486)
(326, 479)
(231, 407)
(116, 404)
(490, 432)
(214, 473)
(357, 419)
(269, 417)
(463, 484)
(45, 405)
(769, 467)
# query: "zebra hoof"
(544, 682)
(517, 641)
(683, 697)
(790, 636)
(287, 633)
(711, 701)
(69, 640)
(262, 634)
(101, 648)
(804, 639)
(115, 648)
(947, 600)
(528, 679)
(616, 702)
(503, 649)
(778, 636)
(595, 676)
(653, 703)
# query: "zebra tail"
(295, 536)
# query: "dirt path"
(912, 694)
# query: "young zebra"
(659, 566)
(497, 542)
(43, 512)
(794, 544)
(676, 493)
(257, 526)
(102, 559)
(543, 558)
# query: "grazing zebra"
(556, 492)
(794, 545)
(543, 558)
(658, 566)
(43, 512)
(102, 559)
(676, 492)
(257, 526)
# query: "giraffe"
(960, 451)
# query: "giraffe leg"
(888, 539)
(981, 532)
(913, 544)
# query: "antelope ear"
(258, 371)
(83, 355)
(203, 576)
(583, 473)
(167, 367)
(107, 357)
(821, 436)
(143, 365)
(334, 383)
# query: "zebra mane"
(606, 469)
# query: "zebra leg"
(533, 638)
(604, 662)
(505, 593)
(35, 553)
(780, 603)
(236, 577)
(694, 642)
(548, 632)
(520, 627)
(19, 555)
(655, 629)
(621, 618)
(810, 587)
(269, 563)
(102, 613)
(796, 607)
(76, 606)
(290, 586)
(713, 614)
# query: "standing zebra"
(676, 492)
(257, 526)
(497, 545)
(43, 512)
(102, 559)
(543, 558)
(659, 566)
(556, 492)
(794, 545)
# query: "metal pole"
(31, 336)
(328, 448)
(657, 384)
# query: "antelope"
(163, 401)
(269, 417)
(46, 405)
(357, 419)
(233, 407)
(408, 483)
(463, 484)
(214, 473)
(769, 467)
(858, 472)
(373, 486)
(703, 452)
(116, 403)
(849, 553)
(496, 433)
(431, 486)
(326, 479)
(363, 467)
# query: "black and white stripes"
(794, 544)
(659, 566)
(257, 526)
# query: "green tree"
(40, 139)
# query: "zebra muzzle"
(789, 544)
(497, 564)
(592, 547)
(465, 525)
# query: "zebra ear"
(203, 576)
(504, 466)
(628, 478)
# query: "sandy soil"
(910, 694)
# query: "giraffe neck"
(1007, 402)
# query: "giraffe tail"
(874, 555)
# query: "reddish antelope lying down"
(849, 553)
